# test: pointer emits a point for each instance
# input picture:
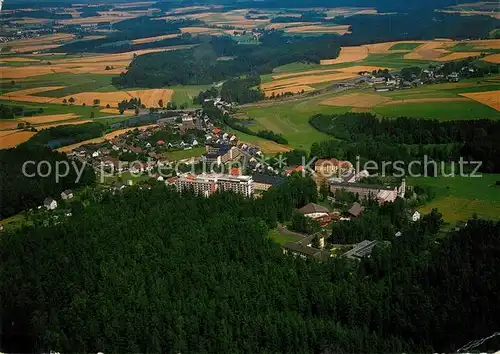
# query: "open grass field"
(184, 154)
(291, 118)
(281, 238)
(458, 198)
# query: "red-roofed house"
(217, 131)
(160, 142)
(291, 169)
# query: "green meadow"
(184, 154)
(291, 118)
(459, 198)
(405, 46)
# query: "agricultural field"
(184, 154)
(290, 118)
(458, 198)
(266, 146)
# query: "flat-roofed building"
(207, 184)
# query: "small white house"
(195, 143)
(415, 216)
(49, 203)
(67, 194)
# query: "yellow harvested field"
(347, 55)
(458, 55)
(361, 68)
(8, 124)
(268, 147)
(116, 111)
(291, 89)
(153, 39)
(47, 126)
(12, 140)
(148, 97)
(431, 50)
(358, 100)
(8, 132)
(118, 132)
(494, 58)
(93, 19)
(31, 21)
(488, 98)
(305, 80)
(485, 43)
(279, 26)
(198, 30)
(352, 70)
(18, 59)
(49, 118)
(68, 148)
(343, 29)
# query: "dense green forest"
(415, 25)
(154, 271)
(67, 134)
(199, 65)
(405, 138)
(127, 30)
(19, 192)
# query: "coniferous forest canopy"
(199, 65)
(154, 271)
(364, 134)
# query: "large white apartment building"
(207, 184)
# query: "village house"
(67, 194)
(381, 194)
(356, 210)
(49, 203)
(313, 211)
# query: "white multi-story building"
(207, 184)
